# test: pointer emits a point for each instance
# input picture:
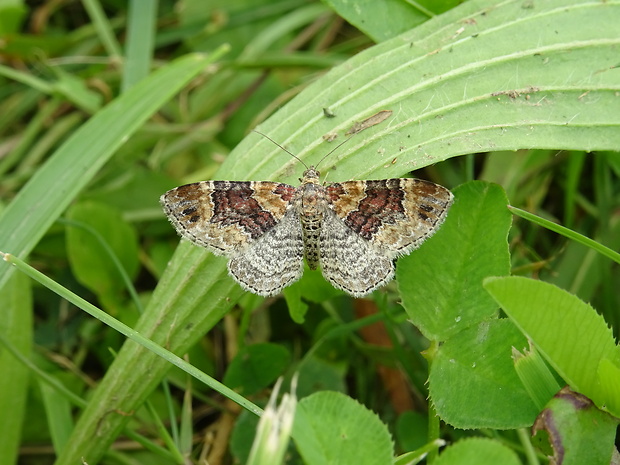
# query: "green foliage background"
(105, 106)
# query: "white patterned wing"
(350, 262)
(273, 261)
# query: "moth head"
(311, 175)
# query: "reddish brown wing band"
(225, 216)
(394, 214)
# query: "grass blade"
(73, 165)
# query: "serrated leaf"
(567, 331)
(473, 383)
(609, 376)
(333, 428)
(256, 366)
(441, 284)
(477, 451)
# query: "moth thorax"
(312, 201)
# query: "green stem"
(570, 234)
(130, 333)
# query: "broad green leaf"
(477, 451)
(459, 83)
(317, 374)
(255, 367)
(567, 331)
(473, 383)
(333, 428)
(85, 249)
(578, 432)
(441, 284)
(16, 330)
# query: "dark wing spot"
(381, 205)
(235, 204)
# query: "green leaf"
(379, 20)
(317, 374)
(297, 308)
(16, 330)
(457, 84)
(142, 19)
(609, 376)
(477, 451)
(536, 376)
(192, 302)
(578, 432)
(441, 284)
(85, 248)
(76, 91)
(333, 428)
(11, 16)
(411, 430)
(73, 165)
(244, 431)
(255, 367)
(58, 414)
(473, 383)
(567, 331)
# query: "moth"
(352, 230)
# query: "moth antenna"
(332, 151)
(286, 150)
